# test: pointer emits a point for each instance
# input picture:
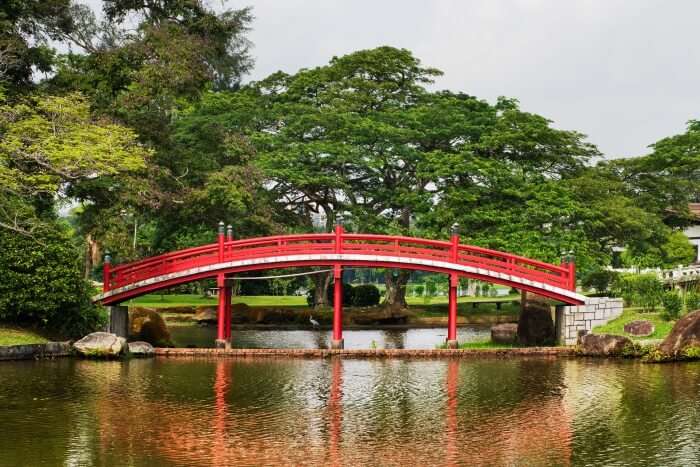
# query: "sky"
(625, 73)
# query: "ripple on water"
(349, 412)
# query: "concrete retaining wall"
(573, 319)
(33, 351)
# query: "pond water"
(389, 338)
(251, 411)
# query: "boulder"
(141, 349)
(101, 345)
(685, 334)
(206, 314)
(147, 325)
(535, 326)
(603, 344)
(640, 328)
(505, 333)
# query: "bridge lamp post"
(125, 214)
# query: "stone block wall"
(572, 319)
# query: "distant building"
(693, 232)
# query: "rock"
(141, 349)
(639, 328)
(101, 345)
(685, 334)
(241, 313)
(603, 344)
(506, 333)
(206, 314)
(147, 325)
(535, 326)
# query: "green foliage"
(25, 28)
(691, 353)
(692, 300)
(600, 280)
(678, 250)
(642, 290)
(43, 284)
(673, 305)
(365, 295)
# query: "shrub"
(599, 280)
(42, 284)
(347, 295)
(691, 353)
(419, 289)
(365, 295)
(673, 305)
(643, 290)
(692, 301)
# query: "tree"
(50, 144)
(25, 28)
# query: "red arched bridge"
(337, 249)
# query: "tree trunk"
(396, 288)
(92, 255)
(321, 283)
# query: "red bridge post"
(221, 341)
(452, 313)
(454, 283)
(337, 341)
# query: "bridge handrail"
(348, 243)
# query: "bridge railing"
(340, 242)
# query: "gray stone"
(639, 328)
(141, 349)
(101, 345)
(603, 344)
(506, 333)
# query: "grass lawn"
(616, 326)
(159, 301)
(12, 335)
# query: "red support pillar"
(337, 341)
(452, 313)
(227, 314)
(221, 313)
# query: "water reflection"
(349, 412)
(393, 338)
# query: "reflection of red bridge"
(337, 249)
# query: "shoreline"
(162, 352)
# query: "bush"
(347, 295)
(599, 280)
(42, 284)
(365, 295)
(673, 305)
(643, 290)
(692, 301)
